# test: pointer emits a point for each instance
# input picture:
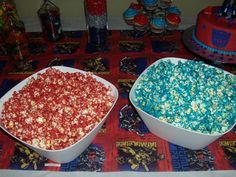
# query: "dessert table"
(124, 136)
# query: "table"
(120, 62)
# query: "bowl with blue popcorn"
(186, 102)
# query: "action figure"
(228, 8)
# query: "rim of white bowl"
(74, 71)
(157, 119)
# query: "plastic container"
(12, 31)
(180, 136)
(69, 153)
(96, 19)
(49, 15)
(16, 41)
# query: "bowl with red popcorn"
(57, 111)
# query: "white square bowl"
(190, 139)
(69, 153)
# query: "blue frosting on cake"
(210, 48)
(130, 12)
(150, 2)
(158, 22)
(174, 10)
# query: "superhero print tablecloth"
(124, 142)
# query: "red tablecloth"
(123, 59)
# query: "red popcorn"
(56, 109)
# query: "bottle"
(12, 30)
(49, 15)
(16, 40)
(96, 19)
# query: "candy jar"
(16, 40)
(49, 15)
(13, 32)
(96, 19)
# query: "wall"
(72, 12)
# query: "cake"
(215, 30)
(150, 4)
(165, 3)
(174, 10)
(129, 15)
(158, 24)
(140, 22)
(137, 7)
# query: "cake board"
(194, 47)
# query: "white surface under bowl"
(69, 153)
(190, 139)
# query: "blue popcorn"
(189, 95)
